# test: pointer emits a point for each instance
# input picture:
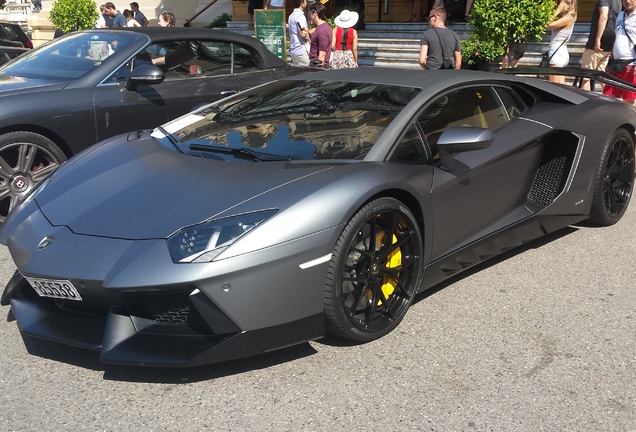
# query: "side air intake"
(556, 163)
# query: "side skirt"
(500, 242)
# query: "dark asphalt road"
(543, 339)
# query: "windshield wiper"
(171, 138)
(239, 153)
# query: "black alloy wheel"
(615, 180)
(375, 271)
(26, 159)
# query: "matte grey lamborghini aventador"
(322, 203)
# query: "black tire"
(614, 180)
(371, 283)
(26, 159)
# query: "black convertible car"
(8, 53)
(87, 86)
(320, 203)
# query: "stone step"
(388, 28)
(401, 47)
(417, 35)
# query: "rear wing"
(578, 73)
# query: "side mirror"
(144, 74)
(462, 139)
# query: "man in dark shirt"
(598, 49)
(139, 16)
(118, 18)
(439, 44)
(320, 48)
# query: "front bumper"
(140, 308)
(121, 340)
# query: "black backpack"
(609, 34)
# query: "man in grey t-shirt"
(439, 43)
(118, 18)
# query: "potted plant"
(479, 54)
(239, 10)
(501, 24)
(71, 15)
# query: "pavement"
(542, 338)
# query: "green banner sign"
(270, 29)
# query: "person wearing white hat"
(345, 41)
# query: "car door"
(197, 72)
(486, 190)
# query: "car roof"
(434, 81)
(410, 77)
(158, 34)
(11, 24)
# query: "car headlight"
(205, 241)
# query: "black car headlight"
(205, 241)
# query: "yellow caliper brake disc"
(394, 260)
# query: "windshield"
(70, 57)
(292, 120)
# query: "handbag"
(618, 66)
(545, 58)
(447, 63)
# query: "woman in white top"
(562, 28)
(130, 19)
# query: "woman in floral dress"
(345, 41)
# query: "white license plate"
(59, 289)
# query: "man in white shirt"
(298, 34)
(624, 50)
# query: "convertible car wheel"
(615, 180)
(26, 159)
(374, 271)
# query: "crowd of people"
(611, 45)
(109, 17)
(321, 45)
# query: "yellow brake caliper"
(393, 260)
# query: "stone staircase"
(398, 44)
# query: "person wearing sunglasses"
(440, 47)
(166, 19)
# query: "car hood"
(16, 83)
(140, 189)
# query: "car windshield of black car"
(70, 57)
(295, 120)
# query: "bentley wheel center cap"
(20, 184)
